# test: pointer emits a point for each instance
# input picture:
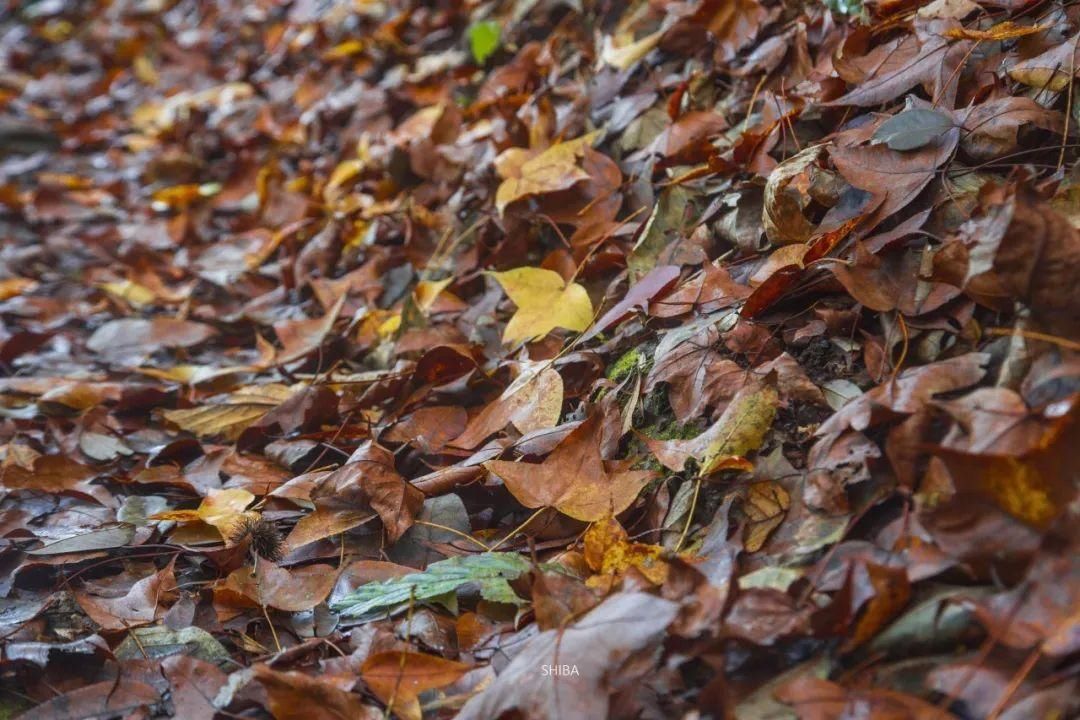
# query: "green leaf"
(484, 40)
(913, 129)
(490, 571)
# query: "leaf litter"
(539, 359)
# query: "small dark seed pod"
(266, 541)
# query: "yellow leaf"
(192, 374)
(144, 70)
(12, 287)
(428, 290)
(344, 50)
(222, 508)
(544, 303)
(1053, 70)
(343, 173)
(625, 56)
(160, 117)
(133, 293)
(1002, 31)
(741, 429)
(232, 417)
(609, 552)
(183, 516)
(765, 507)
(529, 173)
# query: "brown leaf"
(574, 479)
(141, 605)
(817, 699)
(301, 337)
(532, 402)
(111, 698)
(397, 678)
(193, 686)
(897, 176)
(137, 337)
(601, 647)
(55, 474)
(297, 696)
(368, 480)
(272, 586)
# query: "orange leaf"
(397, 678)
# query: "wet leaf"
(912, 129)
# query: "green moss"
(627, 363)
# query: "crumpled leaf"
(609, 552)
(786, 198)
(527, 172)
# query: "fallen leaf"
(223, 508)
(526, 172)
(912, 129)
(298, 696)
(1053, 70)
(545, 302)
(574, 479)
(490, 571)
(739, 431)
(533, 401)
(121, 338)
(234, 414)
(599, 645)
(397, 678)
(609, 552)
(268, 585)
(765, 506)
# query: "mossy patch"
(631, 360)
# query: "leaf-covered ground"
(539, 359)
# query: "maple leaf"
(545, 302)
(574, 479)
(528, 172)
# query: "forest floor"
(539, 359)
